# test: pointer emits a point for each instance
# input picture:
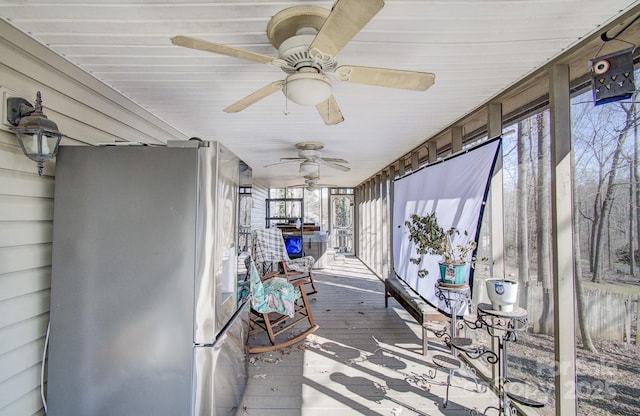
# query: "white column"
(456, 139)
(494, 129)
(415, 161)
(562, 235)
(496, 220)
(432, 147)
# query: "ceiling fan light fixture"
(308, 167)
(307, 89)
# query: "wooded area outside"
(606, 152)
(606, 196)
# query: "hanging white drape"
(455, 190)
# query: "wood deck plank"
(365, 359)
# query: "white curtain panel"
(455, 189)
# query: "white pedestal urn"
(503, 293)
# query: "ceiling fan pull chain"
(286, 100)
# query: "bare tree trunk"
(543, 225)
(522, 227)
(632, 210)
(597, 209)
(609, 257)
(585, 334)
(532, 179)
(636, 179)
(600, 231)
(608, 197)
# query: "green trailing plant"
(430, 238)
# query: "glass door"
(341, 226)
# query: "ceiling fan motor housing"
(306, 85)
(309, 154)
(295, 51)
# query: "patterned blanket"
(269, 247)
(272, 295)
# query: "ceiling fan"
(310, 159)
(308, 38)
(311, 183)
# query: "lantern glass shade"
(38, 145)
(38, 136)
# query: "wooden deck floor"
(365, 359)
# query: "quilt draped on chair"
(272, 295)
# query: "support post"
(562, 236)
(432, 147)
(496, 220)
(385, 225)
(456, 139)
(494, 129)
(357, 220)
(392, 177)
(376, 230)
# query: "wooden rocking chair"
(270, 254)
(276, 307)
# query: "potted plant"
(430, 238)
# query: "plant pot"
(453, 274)
(502, 293)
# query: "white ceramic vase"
(503, 294)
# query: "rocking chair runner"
(276, 307)
(270, 254)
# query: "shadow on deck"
(365, 359)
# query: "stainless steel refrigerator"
(145, 318)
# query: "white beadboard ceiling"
(476, 48)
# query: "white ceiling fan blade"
(315, 185)
(346, 19)
(335, 166)
(280, 163)
(205, 45)
(293, 159)
(392, 78)
(330, 112)
(254, 97)
(334, 159)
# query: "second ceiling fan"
(310, 159)
(308, 38)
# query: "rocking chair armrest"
(269, 276)
(298, 283)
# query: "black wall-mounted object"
(612, 77)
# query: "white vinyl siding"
(87, 113)
(259, 194)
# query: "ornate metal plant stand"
(454, 297)
(503, 327)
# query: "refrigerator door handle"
(226, 328)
